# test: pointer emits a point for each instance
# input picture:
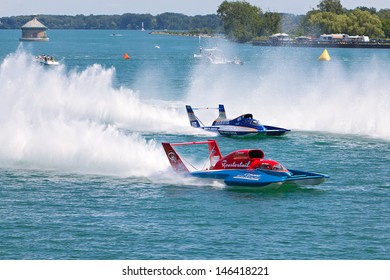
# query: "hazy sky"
(154, 7)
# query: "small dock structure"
(34, 31)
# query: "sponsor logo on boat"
(221, 122)
(172, 157)
(248, 176)
(225, 164)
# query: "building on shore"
(34, 31)
(343, 38)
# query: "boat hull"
(275, 131)
(261, 178)
(49, 63)
(302, 178)
(230, 130)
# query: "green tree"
(384, 15)
(272, 23)
(327, 22)
(386, 27)
(331, 6)
(364, 23)
(172, 21)
(242, 21)
(332, 18)
(372, 10)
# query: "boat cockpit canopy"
(248, 118)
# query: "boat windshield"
(278, 167)
(275, 167)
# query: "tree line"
(238, 20)
(171, 21)
(244, 22)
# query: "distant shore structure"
(34, 30)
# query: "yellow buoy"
(324, 56)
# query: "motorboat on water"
(46, 60)
(244, 125)
(216, 56)
(245, 168)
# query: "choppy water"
(83, 174)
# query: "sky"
(155, 7)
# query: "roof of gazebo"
(34, 23)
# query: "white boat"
(46, 60)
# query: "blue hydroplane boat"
(244, 125)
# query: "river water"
(83, 174)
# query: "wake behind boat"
(242, 168)
(244, 125)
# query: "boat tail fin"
(194, 122)
(222, 113)
(214, 152)
(174, 159)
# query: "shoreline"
(184, 33)
(322, 45)
(265, 43)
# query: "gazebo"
(34, 31)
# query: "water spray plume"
(76, 121)
(284, 87)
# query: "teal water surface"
(83, 174)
